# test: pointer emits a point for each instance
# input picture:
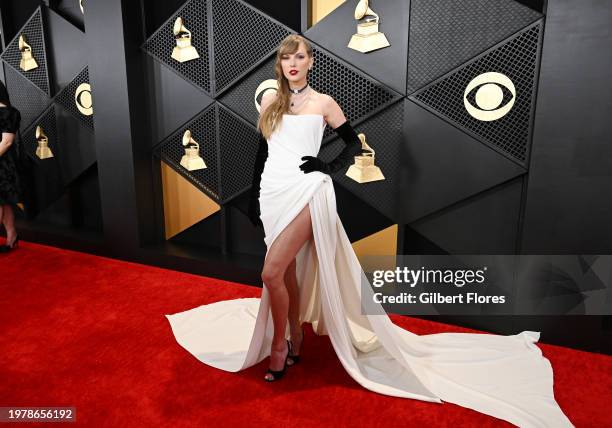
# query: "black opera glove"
(351, 149)
(254, 211)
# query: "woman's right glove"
(254, 211)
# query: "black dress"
(10, 190)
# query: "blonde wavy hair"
(271, 117)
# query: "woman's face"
(295, 66)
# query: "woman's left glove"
(346, 156)
(315, 164)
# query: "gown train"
(506, 377)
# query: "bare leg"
(280, 255)
(8, 219)
(295, 326)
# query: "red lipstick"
(293, 72)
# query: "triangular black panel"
(369, 220)
(484, 224)
(388, 65)
(445, 34)
(516, 58)
(242, 37)
(442, 165)
(35, 36)
(173, 102)
(66, 98)
(67, 49)
(241, 97)
(78, 147)
(162, 42)
(25, 97)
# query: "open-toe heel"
(277, 374)
(295, 358)
(6, 248)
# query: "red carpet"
(90, 332)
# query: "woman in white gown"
(311, 274)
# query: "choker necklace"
(297, 91)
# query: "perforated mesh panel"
(445, 34)
(203, 131)
(162, 42)
(242, 36)
(384, 134)
(25, 97)
(34, 35)
(517, 59)
(357, 94)
(240, 98)
(238, 146)
(66, 99)
(49, 125)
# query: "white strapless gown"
(503, 376)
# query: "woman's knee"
(272, 274)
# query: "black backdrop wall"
(535, 183)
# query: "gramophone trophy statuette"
(27, 62)
(183, 51)
(364, 170)
(367, 38)
(43, 151)
(191, 160)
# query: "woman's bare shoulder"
(330, 109)
(320, 96)
(323, 101)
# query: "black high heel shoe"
(277, 374)
(295, 358)
(7, 248)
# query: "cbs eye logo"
(265, 86)
(485, 95)
(83, 100)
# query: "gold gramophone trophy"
(364, 170)
(183, 51)
(367, 38)
(27, 62)
(43, 151)
(191, 160)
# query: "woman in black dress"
(10, 190)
